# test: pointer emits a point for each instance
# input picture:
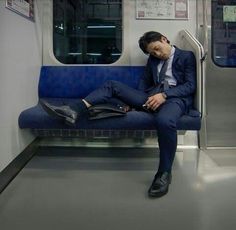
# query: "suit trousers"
(166, 116)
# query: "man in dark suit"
(166, 91)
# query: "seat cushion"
(36, 118)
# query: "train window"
(224, 32)
(87, 31)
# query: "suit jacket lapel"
(177, 55)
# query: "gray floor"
(95, 188)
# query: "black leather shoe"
(160, 184)
(64, 112)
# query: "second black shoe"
(64, 113)
(160, 184)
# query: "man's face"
(160, 49)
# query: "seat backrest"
(79, 81)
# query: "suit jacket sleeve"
(187, 77)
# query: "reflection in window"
(224, 32)
(87, 31)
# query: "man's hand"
(155, 101)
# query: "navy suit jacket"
(184, 71)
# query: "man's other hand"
(155, 101)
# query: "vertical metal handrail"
(199, 52)
(203, 132)
(200, 103)
(205, 46)
(205, 28)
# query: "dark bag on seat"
(105, 111)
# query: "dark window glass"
(87, 31)
(224, 32)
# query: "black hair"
(149, 37)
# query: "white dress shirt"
(169, 75)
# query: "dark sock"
(79, 107)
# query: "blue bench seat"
(64, 84)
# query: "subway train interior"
(96, 173)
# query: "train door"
(217, 31)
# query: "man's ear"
(163, 39)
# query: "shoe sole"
(52, 112)
(152, 195)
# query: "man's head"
(156, 44)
